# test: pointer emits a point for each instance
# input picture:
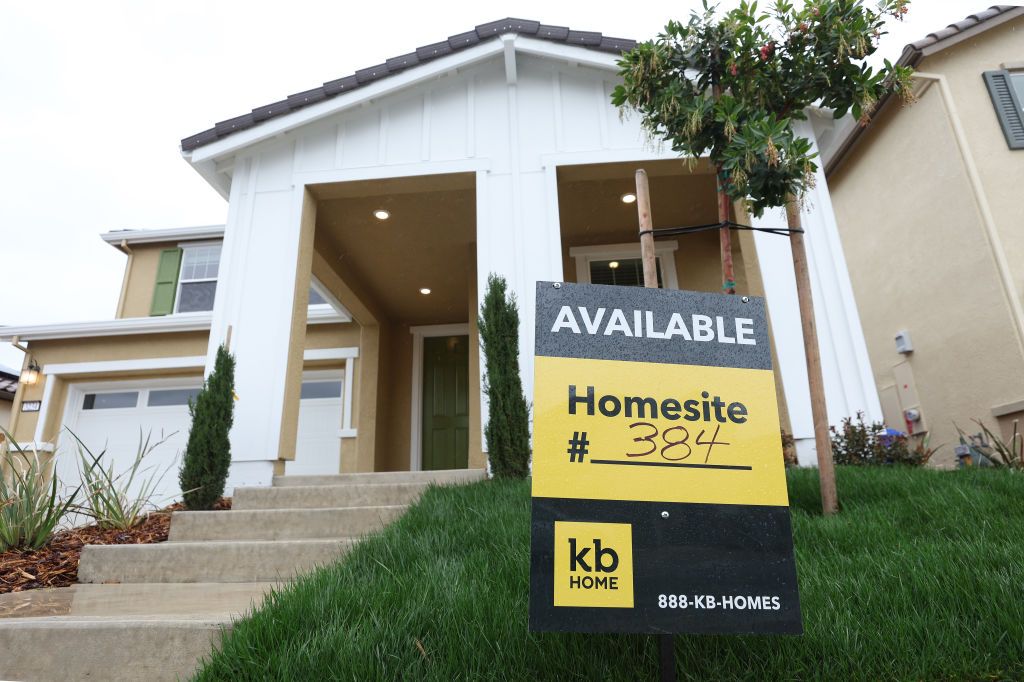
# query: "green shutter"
(166, 282)
(1007, 105)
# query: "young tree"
(204, 469)
(507, 429)
(730, 87)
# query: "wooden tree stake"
(643, 207)
(819, 413)
(725, 240)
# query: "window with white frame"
(621, 265)
(197, 283)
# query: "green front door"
(445, 402)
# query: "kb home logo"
(593, 564)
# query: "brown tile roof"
(421, 55)
(930, 44)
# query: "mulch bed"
(56, 563)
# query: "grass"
(921, 577)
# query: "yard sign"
(659, 489)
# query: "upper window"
(197, 284)
(1006, 88)
(621, 265)
(623, 272)
(186, 282)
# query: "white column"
(255, 294)
(849, 382)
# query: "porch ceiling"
(592, 211)
(427, 242)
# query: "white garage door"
(109, 417)
(317, 448)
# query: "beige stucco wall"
(917, 251)
(698, 259)
(5, 414)
(140, 278)
(97, 349)
(1001, 168)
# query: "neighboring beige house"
(363, 219)
(929, 200)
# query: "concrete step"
(47, 649)
(160, 601)
(327, 496)
(281, 524)
(440, 477)
(199, 562)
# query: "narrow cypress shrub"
(507, 429)
(204, 470)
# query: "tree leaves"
(729, 85)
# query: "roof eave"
(118, 237)
(127, 326)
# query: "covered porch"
(400, 255)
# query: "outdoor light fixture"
(30, 375)
(614, 264)
(628, 198)
(381, 214)
(424, 291)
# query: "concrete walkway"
(150, 612)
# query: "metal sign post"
(666, 643)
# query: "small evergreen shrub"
(204, 469)
(507, 429)
(858, 443)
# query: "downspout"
(995, 244)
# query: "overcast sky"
(97, 95)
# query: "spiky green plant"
(32, 502)
(507, 429)
(204, 469)
(114, 499)
(998, 452)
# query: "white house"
(363, 219)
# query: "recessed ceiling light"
(628, 198)
(614, 264)
(424, 291)
(381, 214)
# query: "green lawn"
(921, 577)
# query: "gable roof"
(587, 39)
(914, 52)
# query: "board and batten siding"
(512, 127)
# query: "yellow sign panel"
(593, 564)
(621, 430)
